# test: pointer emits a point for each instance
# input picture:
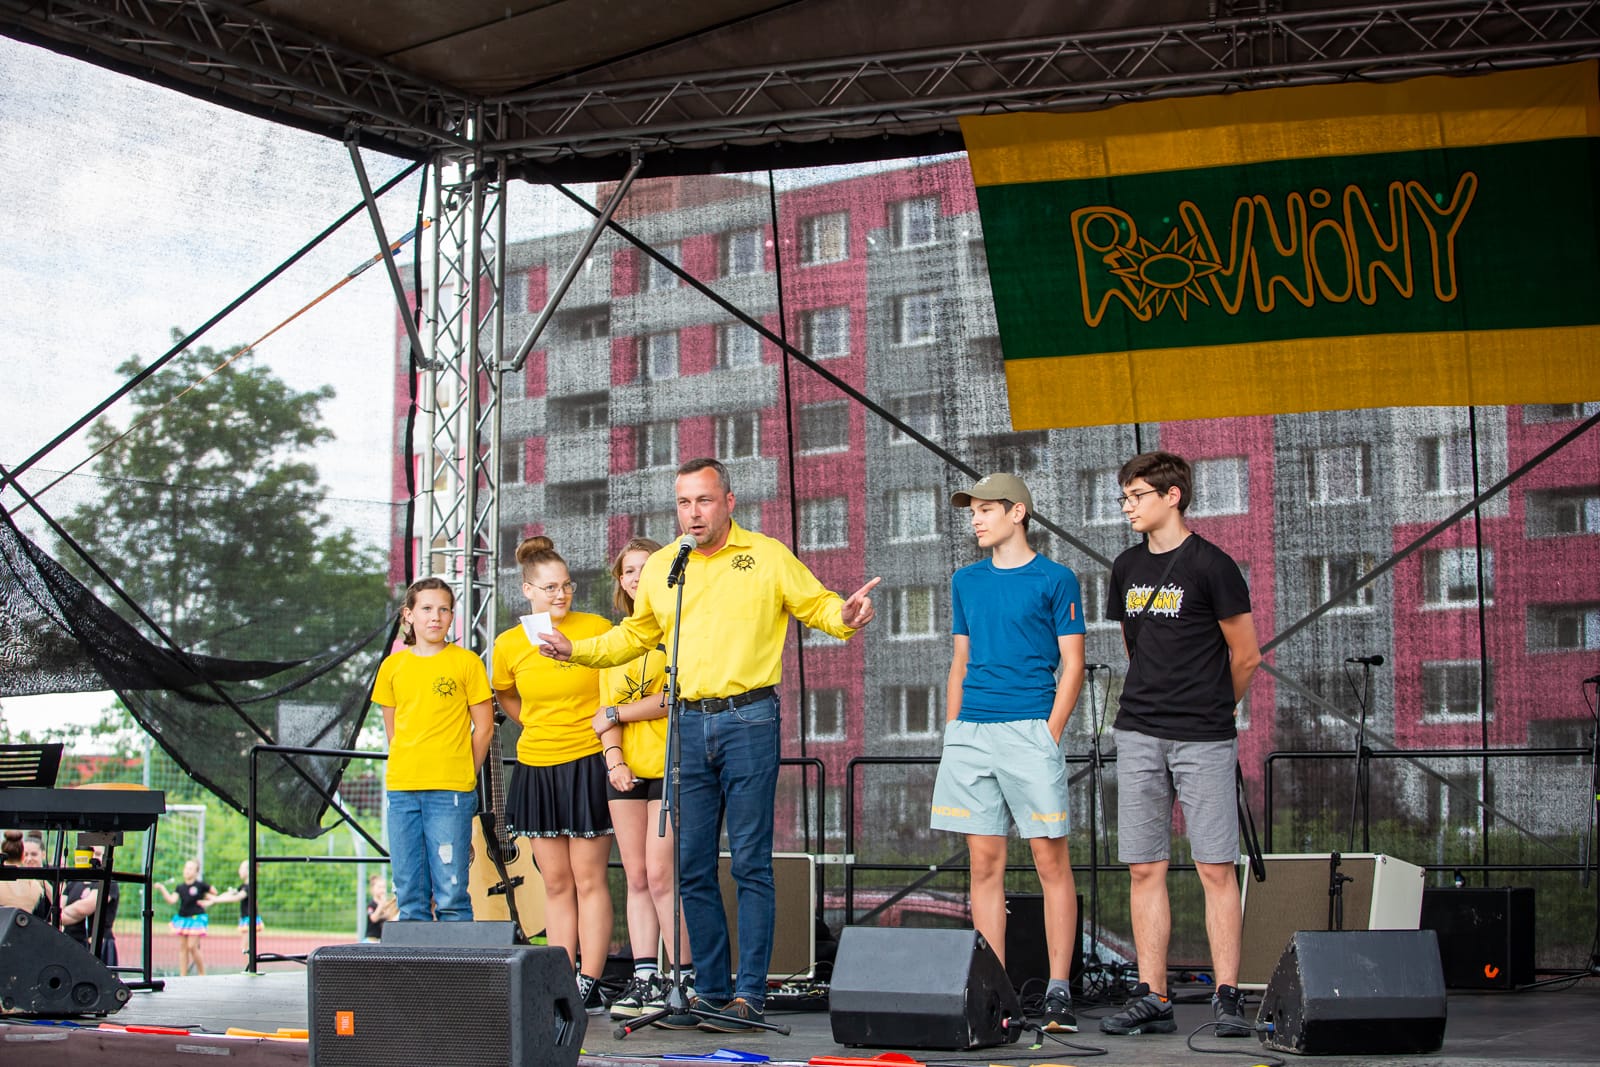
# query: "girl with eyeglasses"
(557, 794)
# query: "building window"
(738, 346)
(913, 514)
(660, 526)
(510, 538)
(1453, 692)
(1101, 495)
(1338, 474)
(825, 238)
(1559, 412)
(1450, 575)
(657, 445)
(590, 325)
(510, 466)
(1095, 588)
(1221, 486)
(1564, 511)
(825, 715)
(515, 295)
(920, 411)
(912, 711)
(914, 222)
(914, 319)
(911, 611)
(659, 360)
(1333, 574)
(1564, 627)
(1445, 463)
(659, 276)
(824, 427)
(739, 435)
(579, 500)
(826, 332)
(823, 523)
(739, 252)
(591, 411)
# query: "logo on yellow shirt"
(445, 687)
(744, 561)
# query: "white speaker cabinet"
(1384, 894)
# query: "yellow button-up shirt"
(736, 607)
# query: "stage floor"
(1545, 1026)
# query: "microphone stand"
(1096, 787)
(1591, 869)
(1361, 796)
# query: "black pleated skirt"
(566, 800)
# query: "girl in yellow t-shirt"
(632, 724)
(438, 713)
(557, 794)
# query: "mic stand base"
(679, 1006)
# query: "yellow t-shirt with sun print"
(432, 746)
(558, 699)
(644, 743)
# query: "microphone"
(1593, 680)
(685, 545)
(1366, 661)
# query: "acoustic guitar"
(502, 880)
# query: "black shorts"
(643, 789)
(566, 800)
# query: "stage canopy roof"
(569, 89)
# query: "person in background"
(193, 897)
(381, 907)
(32, 849)
(29, 894)
(245, 894)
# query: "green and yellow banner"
(1430, 242)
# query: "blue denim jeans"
(730, 765)
(430, 845)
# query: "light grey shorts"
(1150, 771)
(990, 767)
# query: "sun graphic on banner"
(1169, 274)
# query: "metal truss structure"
(458, 392)
(232, 52)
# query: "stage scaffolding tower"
(458, 389)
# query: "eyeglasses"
(551, 590)
(1131, 500)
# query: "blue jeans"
(730, 765)
(430, 843)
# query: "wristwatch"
(611, 715)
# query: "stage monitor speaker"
(424, 933)
(1354, 992)
(940, 989)
(1485, 935)
(387, 1005)
(794, 932)
(1384, 894)
(1027, 952)
(45, 972)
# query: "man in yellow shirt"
(739, 589)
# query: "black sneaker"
(630, 1003)
(1058, 1017)
(594, 1002)
(1225, 1008)
(734, 1017)
(1144, 1013)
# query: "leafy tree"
(212, 515)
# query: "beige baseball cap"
(995, 487)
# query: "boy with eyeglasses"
(1192, 650)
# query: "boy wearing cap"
(1016, 617)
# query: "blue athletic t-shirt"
(1012, 619)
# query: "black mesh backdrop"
(878, 276)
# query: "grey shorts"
(990, 767)
(1150, 771)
